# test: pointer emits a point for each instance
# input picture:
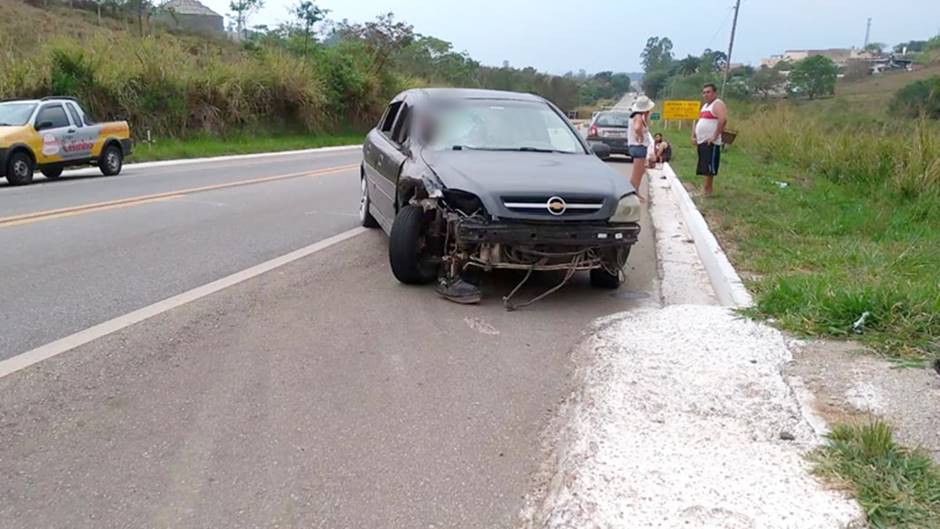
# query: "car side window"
(390, 116)
(76, 118)
(402, 125)
(54, 114)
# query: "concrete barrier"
(728, 286)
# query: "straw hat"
(642, 104)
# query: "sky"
(596, 35)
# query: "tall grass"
(901, 156)
(180, 85)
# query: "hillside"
(884, 85)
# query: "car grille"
(562, 207)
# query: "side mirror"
(601, 150)
(43, 125)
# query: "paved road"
(64, 273)
(321, 394)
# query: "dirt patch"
(851, 385)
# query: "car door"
(83, 141)
(55, 130)
(386, 160)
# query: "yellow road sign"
(680, 109)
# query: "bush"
(920, 98)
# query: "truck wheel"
(408, 251)
(111, 161)
(601, 278)
(19, 169)
(366, 218)
(52, 172)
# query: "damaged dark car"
(466, 180)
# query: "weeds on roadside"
(897, 487)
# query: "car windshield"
(613, 120)
(499, 126)
(15, 114)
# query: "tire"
(407, 251)
(52, 172)
(601, 278)
(111, 160)
(19, 169)
(366, 218)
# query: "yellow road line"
(83, 211)
(37, 216)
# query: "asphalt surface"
(320, 394)
(63, 274)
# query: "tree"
(813, 77)
(243, 9)
(383, 37)
(657, 55)
(713, 61)
(767, 81)
(914, 46)
(688, 66)
(654, 83)
(876, 48)
(308, 14)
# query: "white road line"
(211, 159)
(24, 360)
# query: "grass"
(204, 146)
(818, 252)
(897, 487)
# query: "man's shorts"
(709, 157)
(638, 152)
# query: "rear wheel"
(111, 161)
(19, 169)
(408, 250)
(52, 172)
(366, 218)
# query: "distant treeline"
(310, 74)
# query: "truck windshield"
(496, 125)
(15, 114)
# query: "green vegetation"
(896, 487)
(813, 77)
(829, 219)
(308, 76)
(204, 145)
(920, 98)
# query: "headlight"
(628, 210)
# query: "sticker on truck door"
(50, 145)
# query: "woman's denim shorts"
(637, 151)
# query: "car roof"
(476, 93)
(43, 100)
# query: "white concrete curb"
(231, 157)
(725, 281)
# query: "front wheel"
(111, 161)
(601, 278)
(408, 250)
(19, 169)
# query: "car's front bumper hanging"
(560, 234)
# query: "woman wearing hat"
(638, 140)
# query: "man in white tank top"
(706, 135)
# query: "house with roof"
(190, 15)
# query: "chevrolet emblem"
(556, 206)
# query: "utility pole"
(734, 26)
(867, 33)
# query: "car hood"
(498, 177)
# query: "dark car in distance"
(479, 180)
(611, 129)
